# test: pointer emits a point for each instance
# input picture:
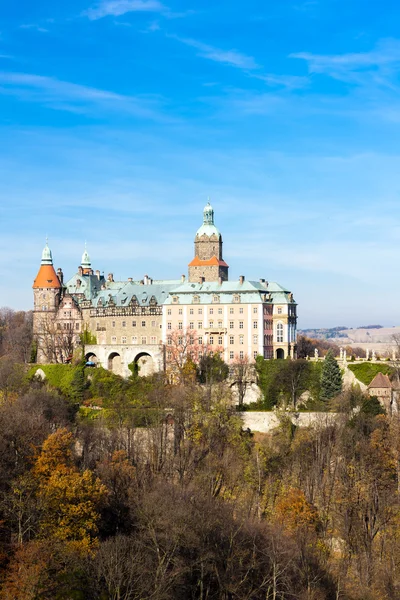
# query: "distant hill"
(371, 336)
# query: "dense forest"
(146, 489)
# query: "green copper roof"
(208, 227)
(47, 258)
(85, 263)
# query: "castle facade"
(151, 322)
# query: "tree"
(70, 499)
(294, 378)
(241, 372)
(212, 369)
(183, 350)
(331, 377)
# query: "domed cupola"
(47, 258)
(85, 263)
(208, 228)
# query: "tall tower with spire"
(47, 290)
(208, 264)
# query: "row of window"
(68, 326)
(134, 324)
(134, 340)
(219, 340)
(231, 355)
(215, 298)
(211, 325)
(211, 311)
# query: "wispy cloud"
(377, 66)
(232, 58)
(72, 97)
(244, 62)
(121, 7)
(35, 27)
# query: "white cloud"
(228, 57)
(63, 95)
(121, 7)
(377, 66)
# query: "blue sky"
(119, 118)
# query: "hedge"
(366, 371)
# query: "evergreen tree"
(212, 369)
(331, 377)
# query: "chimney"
(60, 275)
(80, 271)
(241, 279)
(110, 277)
(98, 274)
(130, 279)
(146, 280)
(262, 281)
(141, 282)
(183, 278)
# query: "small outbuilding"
(382, 388)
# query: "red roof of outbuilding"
(380, 381)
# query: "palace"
(124, 322)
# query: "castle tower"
(47, 293)
(208, 263)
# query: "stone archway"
(91, 357)
(145, 363)
(114, 363)
(280, 353)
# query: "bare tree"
(242, 373)
(55, 344)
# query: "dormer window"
(215, 298)
(175, 299)
(196, 299)
(236, 298)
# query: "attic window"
(236, 298)
(175, 299)
(215, 298)
(196, 299)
